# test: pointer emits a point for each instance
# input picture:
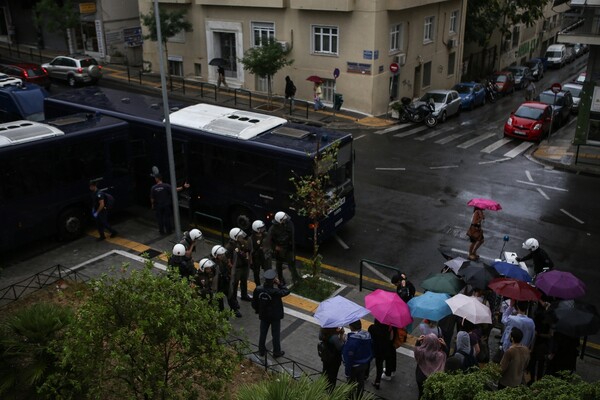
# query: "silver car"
(447, 103)
(575, 89)
(75, 68)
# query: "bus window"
(119, 161)
(254, 172)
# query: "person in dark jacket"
(290, 90)
(100, 209)
(541, 260)
(357, 354)
(383, 351)
(266, 302)
(260, 250)
(281, 235)
(404, 287)
(332, 342)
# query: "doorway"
(417, 82)
(226, 48)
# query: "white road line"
(450, 138)
(544, 195)
(544, 186)
(360, 137)
(466, 252)
(519, 149)
(528, 175)
(341, 242)
(496, 145)
(391, 129)
(444, 167)
(469, 143)
(411, 132)
(572, 216)
(430, 135)
(389, 169)
(495, 161)
(381, 275)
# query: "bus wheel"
(71, 223)
(242, 218)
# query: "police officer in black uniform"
(218, 255)
(260, 250)
(100, 209)
(239, 250)
(179, 260)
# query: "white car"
(447, 103)
(575, 89)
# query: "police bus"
(45, 170)
(238, 163)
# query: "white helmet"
(258, 225)
(179, 250)
(280, 217)
(531, 244)
(205, 263)
(195, 234)
(235, 233)
(218, 250)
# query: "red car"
(28, 72)
(505, 82)
(531, 121)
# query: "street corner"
(552, 153)
(375, 122)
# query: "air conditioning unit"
(452, 43)
(401, 59)
(284, 45)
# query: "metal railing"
(369, 263)
(246, 92)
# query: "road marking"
(444, 167)
(495, 161)
(341, 242)
(381, 275)
(450, 138)
(389, 169)
(392, 129)
(466, 252)
(544, 195)
(360, 137)
(528, 175)
(430, 135)
(572, 216)
(411, 132)
(496, 145)
(475, 140)
(518, 150)
(544, 186)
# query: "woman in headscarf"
(430, 357)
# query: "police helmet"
(179, 250)
(218, 250)
(235, 233)
(531, 244)
(281, 217)
(258, 225)
(195, 234)
(205, 263)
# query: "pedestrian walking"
(514, 361)
(357, 354)
(266, 302)
(290, 91)
(430, 357)
(317, 96)
(218, 255)
(475, 233)
(238, 250)
(281, 235)
(102, 202)
(529, 90)
(541, 260)
(221, 76)
(404, 287)
(383, 351)
(260, 250)
(331, 342)
(161, 201)
(183, 264)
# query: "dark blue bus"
(238, 163)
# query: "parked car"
(578, 49)
(531, 121)
(447, 103)
(74, 68)
(520, 72)
(575, 89)
(580, 78)
(570, 54)
(505, 81)
(556, 55)
(536, 66)
(27, 72)
(561, 103)
(471, 94)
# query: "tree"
(484, 17)
(56, 16)
(265, 61)
(171, 23)
(145, 336)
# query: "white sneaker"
(385, 377)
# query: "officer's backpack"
(109, 200)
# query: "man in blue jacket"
(357, 354)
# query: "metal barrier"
(247, 92)
(293, 107)
(213, 218)
(38, 281)
(362, 265)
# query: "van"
(20, 101)
(556, 55)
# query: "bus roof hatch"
(25, 131)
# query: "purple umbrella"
(511, 271)
(561, 284)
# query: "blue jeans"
(275, 333)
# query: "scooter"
(491, 92)
(418, 114)
(511, 257)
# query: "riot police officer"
(223, 264)
(184, 265)
(238, 250)
(260, 250)
(281, 235)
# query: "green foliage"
(26, 346)
(171, 23)
(459, 385)
(564, 387)
(55, 16)
(144, 336)
(284, 387)
(314, 288)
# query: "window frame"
(262, 27)
(426, 78)
(397, 36)
(454, 27)
(334, 39)
(429, 29)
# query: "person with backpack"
(102, 202)
(290, 91)
(464, 352)
(331, 342)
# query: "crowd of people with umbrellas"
(539, 319)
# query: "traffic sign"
(556, 88)
(336, 73)
(394, 68)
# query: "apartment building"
(361, 38)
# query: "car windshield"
(501, 78)
(529, 112)
(86, 62)
(35, 71)
(553, 54)
(517, 72)
(575, 90)
(437, 97)
(549, 98)
(464, 89)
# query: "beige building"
(360, 38)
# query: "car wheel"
(71, 81)
(442, 117)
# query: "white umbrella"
(338, 311)
(470, 308)
(455, 264)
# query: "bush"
(460, 385)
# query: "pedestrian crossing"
(488, 141)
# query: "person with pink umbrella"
(475, 233)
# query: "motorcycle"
(491, 92)
(420, 113)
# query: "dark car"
(520, 72)
(562, 104)
(29, 72)
(471, 94)
(531, 121)
(536, 66)
(505, 82)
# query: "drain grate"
(151, 253)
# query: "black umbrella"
(576, 319)
(218, 62)
(478, 275)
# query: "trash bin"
(338, 100)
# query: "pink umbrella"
(388, 308)
(485, 204)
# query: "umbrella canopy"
(470, 308)
(485, 204)
(456, 264)
(561, 284)
(514, 289)
(443, 283)
(218, 62)
(339, 311)
(315, 78)
(512, 271)
(576, 319)
(429, 305)
(478, 275)
(388, 308)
